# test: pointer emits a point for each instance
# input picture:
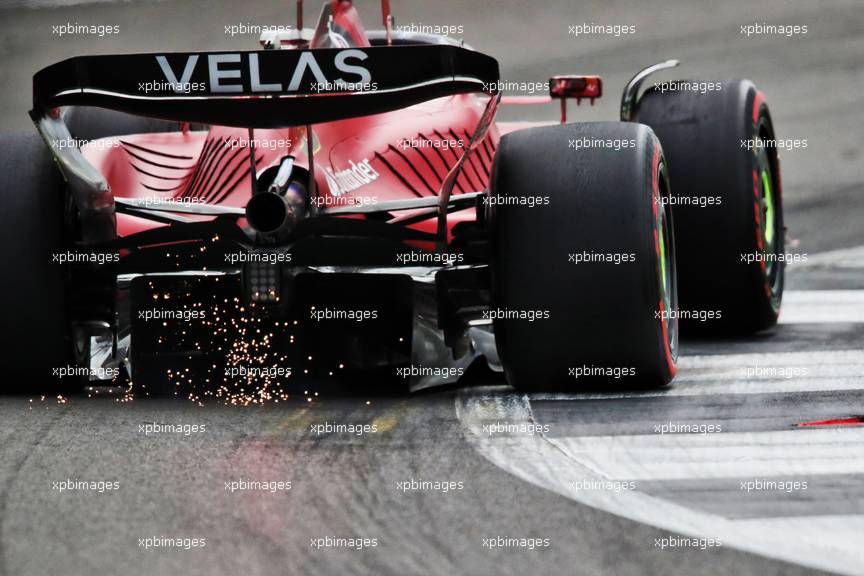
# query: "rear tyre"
(35, 338)
(607, 323)
(728, 204)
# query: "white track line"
(828, 543)
(781, 372)
(8, 4)
(823, 542)
(817, 306)
(724, 455)
(844, 258)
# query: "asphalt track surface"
(515, 483)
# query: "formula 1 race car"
(343, 201)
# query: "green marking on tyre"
(769, 208)
(663, 260)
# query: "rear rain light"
(847, 421)
(577, 87)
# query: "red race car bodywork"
(397, 155)
(335, 169)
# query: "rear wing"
(267, 88)
(260, 89)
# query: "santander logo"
(343, 181)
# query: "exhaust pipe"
(275, 212)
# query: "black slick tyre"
(596, 258)
(728, 205)
(35, 339)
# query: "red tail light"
(577, 87)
